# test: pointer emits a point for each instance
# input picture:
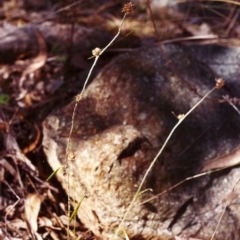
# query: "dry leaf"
(54, 235)
(38, 61)
(46, 222)
(12, 147)
(18, 224)
(32, 207)
(227, 160)
(8, 167)
(199, 29)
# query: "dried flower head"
(128, 8)
(96, 52)
(179, 116)
(219, 83)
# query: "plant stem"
(155, 159)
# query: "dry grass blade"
(226, 98)
(13, 206)
(76, 210)
(53, 173)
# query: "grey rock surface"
(121, 123)
(223, 60)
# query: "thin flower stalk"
(97, 52)
(219, 84)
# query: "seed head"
(96, 52)
(179, 116)
(219, 83)
(128, 8)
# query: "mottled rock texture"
(122, 121)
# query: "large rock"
(122, 121)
